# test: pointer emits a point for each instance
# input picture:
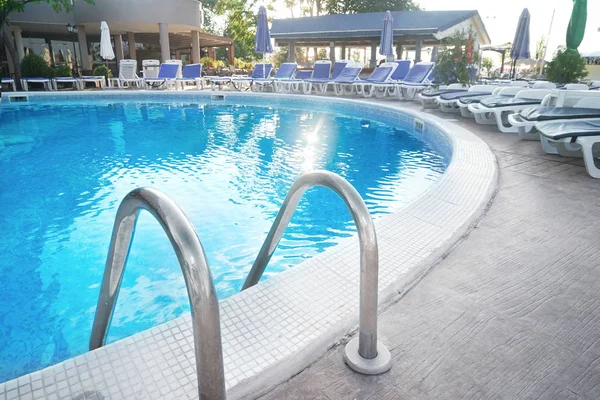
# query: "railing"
(363, 354)
(198, 280)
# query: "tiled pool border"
(275, 329)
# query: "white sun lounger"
(74, 82)
(99, 81)
(582, 133)
(46, 83)
(10, 81)
(499, 109)
(448, 102)
(463, 103)
(428, 98)
(526, 120)
(127, 75)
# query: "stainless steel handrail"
(198, 280)
(368, 355)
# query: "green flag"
(576, 29)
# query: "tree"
(455, 64)
(567, 66)
(7, 7)
(361, 6)
(540, 45)
(487, 64)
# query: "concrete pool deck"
(512, 312)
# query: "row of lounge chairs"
(565, 119)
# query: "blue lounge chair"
(389, 88)
(295, 84)
(192, 73)
(364, 87)
(417, 80)
(261, 71)
(167, 75)
(283, 73)
(348, 75)
(320, 81)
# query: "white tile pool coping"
(275, 329)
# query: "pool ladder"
(364, 353)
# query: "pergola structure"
(414, 29)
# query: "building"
(412, 30)
(140, 29)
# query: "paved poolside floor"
(512, 313)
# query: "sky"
(501, 17)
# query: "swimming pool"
(66, 164)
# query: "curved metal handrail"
(369, 256)
(198, 280)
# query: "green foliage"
(454, 63)
(540, 45)
(279, 57)
(34, 66)
(63, 71)
(207, 62)
(567, 66)
(322, 54)
(362, 6)
(355, 56)
(102, 70)
(243, 64)
(487, 64)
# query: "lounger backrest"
(262, 70)
(419, 72)
(338, 67)
(322, 69)
(457, 86)
(577, 86)
(589, 102)
(348, 74)
(128, 69)
(401, 70)
(383, 72)
(150, 68)
(519, 83)
(595, 84)
(192, 71)
(168, 71)
(179, 64)
(304, 74)
(533, 94)
(511, 91)
(544, 85)
(482, 88)
(286, 70)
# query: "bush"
(102, 70)
(207, 62)
(63, 71)
(455, 64)
(34, 66)
(567, 66)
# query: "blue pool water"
(65, 166)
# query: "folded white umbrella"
(106, 49)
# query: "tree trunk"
(10, 46)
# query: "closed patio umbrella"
(520, 46)
(576, 29)
(262, 43)
(387, 37)
(106, 50)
